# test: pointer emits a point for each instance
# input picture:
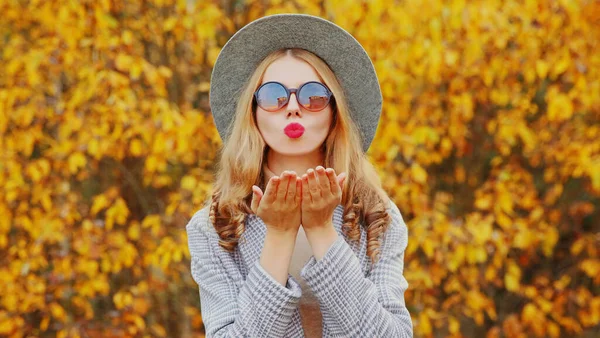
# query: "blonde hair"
(242, 155)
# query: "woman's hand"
(279, 207)
(321, 194)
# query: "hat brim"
(345, 56)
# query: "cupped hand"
(321, 194)
(279, 206)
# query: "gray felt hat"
(345, 56)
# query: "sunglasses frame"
(289, 92)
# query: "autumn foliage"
(489, 143)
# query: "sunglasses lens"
(313, 96)
(271, 97)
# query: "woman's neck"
(276, 164)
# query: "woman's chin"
(294, 147)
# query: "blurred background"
(489, 143)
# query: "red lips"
(294, 130)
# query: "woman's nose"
(293, 105)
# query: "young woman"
(286, 247)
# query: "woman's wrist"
(277, 253)
(283, 234)
(321, 239)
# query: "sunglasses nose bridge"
(293, 104)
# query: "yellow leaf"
(100, 202)
(503, 221)
(512, 277)
(135, 147)
(474, 254)
(545, 305)
(591, 267)
(133, 232)
(560, 108)
(169, 24)
(483, 202)
(541, 67)
(562, 282)
(139, 322)
(76, 161)
(151, 221)
(424, 323)
(135, 70)
(427, 246)
(454, 325)
(165, 72)
(562, 65)
(418, 173)
(140, 305)
(577, 246)
(93, 148)
(123, 62)
(62, 333)
(491, 311)
(127, 37)
(553, 329)
(152, 163)
(482, 232)
(506, 202)
(57, 312)
(594, 171)
(204, 86)
(44, 323)
(523, 238)
(189, 182)
(457, 257)
(529, 313)
(528, 137)
(122, 299)
(158, 330)
(550, 240)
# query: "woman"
(305, 102)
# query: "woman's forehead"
(290, 71)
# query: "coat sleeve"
(258, 306)
(360, 306)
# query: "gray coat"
(238, 298)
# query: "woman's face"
(292, 73)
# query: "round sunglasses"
(272, 96)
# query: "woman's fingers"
(305, 191)
(323, 180)
(298, 197)
(256, 197)
(313, 185)
(283, 186)
(341, 179)
(291, 190)
(271, 190)
(334, 186)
